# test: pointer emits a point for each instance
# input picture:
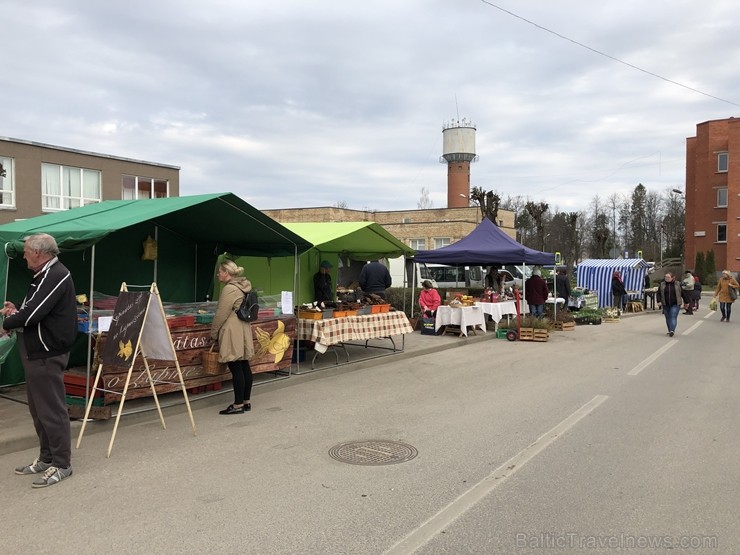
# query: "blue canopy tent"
(486, 245)
(596, 274)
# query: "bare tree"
(537, 211)
(488, 202)
(425, 202)
(341, 204)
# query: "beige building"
(420, 229)
(38, 179)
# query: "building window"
(721, 233)
(440, 242)
(418, 244)
(64, 187)
(7, 189)
(136, 187)
(722, 162)
(722, 197)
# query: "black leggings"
(726, 309)
(241, 375)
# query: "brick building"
(713, 193)
(40, 178)
(420, 229)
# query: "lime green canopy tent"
(101, 244)
(339, 243)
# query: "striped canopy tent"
(596, 274)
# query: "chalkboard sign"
(123, 335)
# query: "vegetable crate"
(533, 334)
(565, 326)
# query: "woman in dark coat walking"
(618, 291)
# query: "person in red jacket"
(536, 293)
(429, 299)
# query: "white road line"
(429, 529)
(692, 328)
(710, 314)
(649, 360)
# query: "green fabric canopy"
(101, 244)
(339, 243)
(358, 240)
(221, 219)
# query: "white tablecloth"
(463, 316)
(498, 310)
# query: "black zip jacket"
(48, 314)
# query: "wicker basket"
(211, 365)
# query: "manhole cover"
(373, 452)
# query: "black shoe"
(247, 407)
(231, 409)
(670, 333)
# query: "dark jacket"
(48, 314)
(536, 290)
(322, 290)
(618, 287)
(375, 277)
(669, 294)
(562, 286)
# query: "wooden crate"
(533, 334)
(610, 320)
(565, 326)
(310, 315)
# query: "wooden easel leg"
(89, 405)
(120, 406)
(154, 392)
(185, 395)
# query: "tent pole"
(89, 325)
(297, 293)
(156, 260)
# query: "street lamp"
(678, 191)
(662, 231)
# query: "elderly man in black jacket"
(47, 324)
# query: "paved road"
(612, 433)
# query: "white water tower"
(458, 151)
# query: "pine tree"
(710, 268)
(700, 267)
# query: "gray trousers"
(48, 407)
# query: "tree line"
(611, 227)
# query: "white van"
(412, 276)
(450, 277)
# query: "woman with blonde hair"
(723, 294)
(234, 336)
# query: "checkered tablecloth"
(352, 328)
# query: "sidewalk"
(17, 431)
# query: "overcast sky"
(291, 103)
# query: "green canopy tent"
(101, 244)
(339, 243)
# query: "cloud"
(290, 104)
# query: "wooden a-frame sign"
(139, 326)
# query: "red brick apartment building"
(38, 178)
(713, 193)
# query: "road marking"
(710, 314)
(429, 529)
(649, 360)
(692, 328)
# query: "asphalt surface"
(606, 439)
